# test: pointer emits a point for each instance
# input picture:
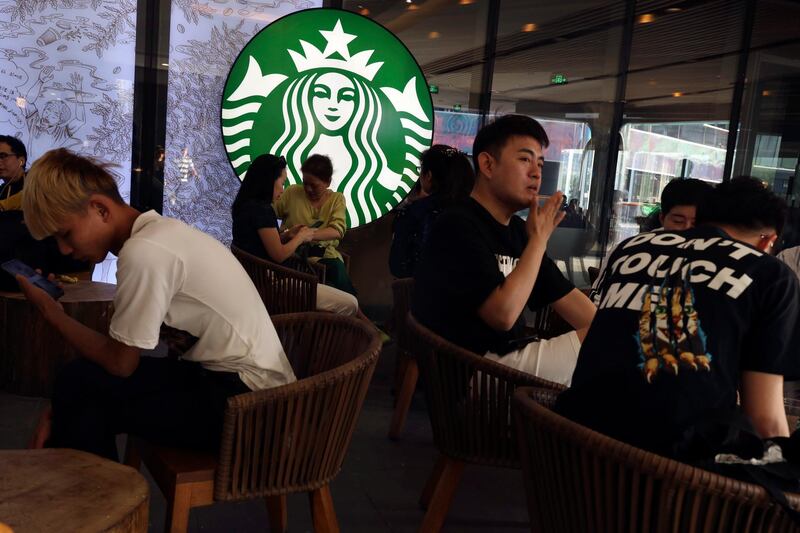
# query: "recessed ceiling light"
(434, 35)
(646, 18)
(674, 9)
(677, 94)
(413, 7)
(465, 2)
(363, 11)
(529, 27)
(766, 92)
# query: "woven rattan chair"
(407, 371)
(469, 403)
(281, 440)
(579, 480)
(282, 289)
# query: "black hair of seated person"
(746, 203)
(494, 136)
(17, 146)
(259, 180)
(452, 177)
(680, 191)
(319, 166)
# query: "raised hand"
(542, 220)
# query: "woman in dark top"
(255, 227)
(446, 178)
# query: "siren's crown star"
(337, 43)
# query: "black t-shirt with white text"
(681, 315)
(465, 258)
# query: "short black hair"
(452, 177)
(259, 181)
(319, 166)
(17, 146)
(746, 203)
(494, 136)
(681, 191)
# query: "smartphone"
(316, 224)
(15, 266)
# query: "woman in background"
(255, 227)
(446, 178)
(313, 204)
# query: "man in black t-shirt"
(482, 264)
(686, 319)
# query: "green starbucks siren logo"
(325, 81)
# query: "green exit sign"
(558, 79)
(434, 89)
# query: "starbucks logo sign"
(326, 81)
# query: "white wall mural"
(66, 77)
(205, 39)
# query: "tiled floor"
(376, 491)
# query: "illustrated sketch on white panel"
(50, 99)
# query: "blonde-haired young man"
(167, 273)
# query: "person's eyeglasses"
(3, 155)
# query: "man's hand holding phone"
(40, 291)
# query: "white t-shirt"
(791, 256)
(170, 272)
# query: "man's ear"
(101, 204)
(661, 218)
(486, 164)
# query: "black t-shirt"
(248, 218)
(466, 257)
(697, 302)
(412, 225)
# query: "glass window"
(768, 145)
(558, 63)
(678, 97)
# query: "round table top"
(82, 291)
(69, 490)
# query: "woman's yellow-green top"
(294, 208)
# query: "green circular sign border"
(318, 9)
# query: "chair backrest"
(469, 399)
(579, 480)
(402, 289)
(294, 438)
(282, 289)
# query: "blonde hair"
(59, 184)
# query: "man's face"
(516, 175)
(11, 165)
(679, 218)
(85, 236)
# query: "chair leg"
(278, 516)
(323, 514)
(132, 456)
(179, 504)
(404, 397)
(442, 497)
(433, 479)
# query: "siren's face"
(333, 100)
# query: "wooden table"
(67, 490)
(31, 351)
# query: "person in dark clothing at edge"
(482, 264)
(688, 318)
(446, 178)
